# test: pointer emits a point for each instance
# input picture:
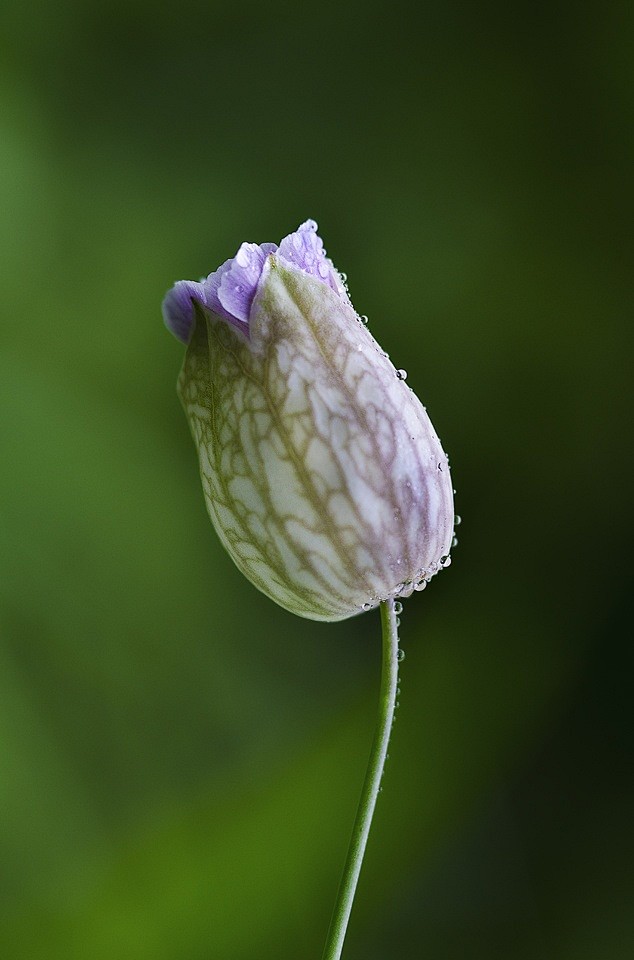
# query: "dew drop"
(400, 656)
(440, 467)
(454, 542)
(363, 318)
(420, 586)
(398, 621)
(445, 562)
(457, 520)
(398, 608)
(401, 374)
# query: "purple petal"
(305, 249)
(178, 307)
(231, 288)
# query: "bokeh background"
(179, 759)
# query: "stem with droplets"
(371, 785)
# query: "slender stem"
(371, 786)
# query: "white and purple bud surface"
(322, 473)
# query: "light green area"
(180, 760)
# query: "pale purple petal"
(231, 288)
(178, 307)
(305, 249)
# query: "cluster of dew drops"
(400, 656)
(424, 577)
(417, 585)
(406, 589)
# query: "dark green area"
(179, 759)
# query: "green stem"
(371, 786)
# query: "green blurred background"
(179, 759)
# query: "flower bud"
(321, 471)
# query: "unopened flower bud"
(321, 471)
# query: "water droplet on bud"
(401, 374)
